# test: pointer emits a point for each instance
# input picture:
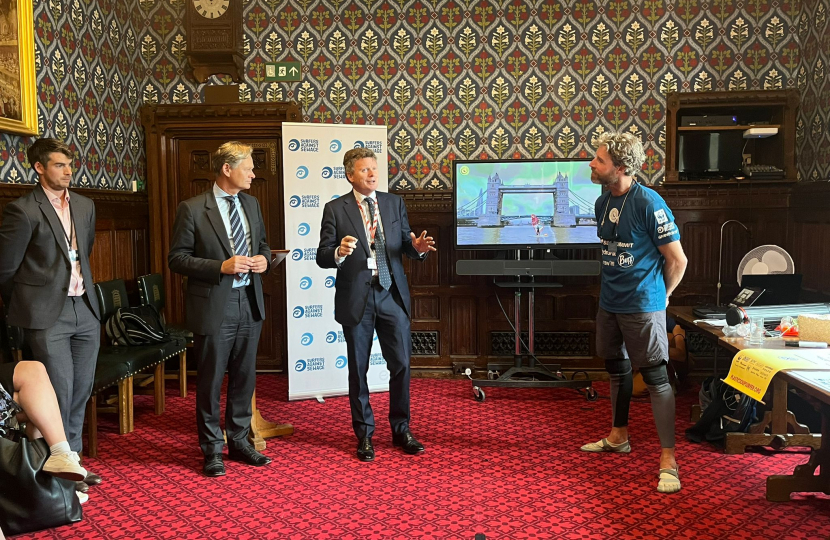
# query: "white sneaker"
(65, 466)
(82, 497)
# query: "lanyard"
(71, 236)
(619, 216)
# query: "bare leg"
(34, 392)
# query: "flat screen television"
(706, 154)
(524, 204)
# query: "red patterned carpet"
(508, 468)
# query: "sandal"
(605, 446)
(669, 481)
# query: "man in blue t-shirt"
(642, 263)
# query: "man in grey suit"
(219, 244)
(46, 283)
(364, 234)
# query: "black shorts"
(7, 376)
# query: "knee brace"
(655, 375)
(618, 366)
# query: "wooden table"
(779, 427)
(804, 479)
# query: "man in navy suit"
(364, 234)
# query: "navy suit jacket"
(199, 247)
(341, 217)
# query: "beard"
(606, 181)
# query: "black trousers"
(233, 349)
(386, 314)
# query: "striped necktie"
(240, 246)
(384, 276)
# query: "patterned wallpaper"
(451, 78)
(813, 80)
(88, 79)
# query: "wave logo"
(299, 365)
(335, 146)
(335, 197)
(303, 229)
(375, 337)
(305, 283)
(302, 172)
(341, 362)
(331, 337)
(297, 255)
(298, 312)
(328, 172)
(294, 201)
(307, 339)
(383, 376)
(359, 144)
(330, 281)
(293, 145)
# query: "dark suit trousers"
(69, 350)
(384, 312)
(233, 349)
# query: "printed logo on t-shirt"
(614, 215)
(661, 216)
(625, 260)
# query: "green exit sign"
(283, 71)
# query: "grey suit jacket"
(341, 217)
(199, 247)
(34, 262)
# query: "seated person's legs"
(34, 393)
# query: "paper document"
(753, 369)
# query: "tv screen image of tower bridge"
(525, 203)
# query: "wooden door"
(195, 177)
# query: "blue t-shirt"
(632, 266)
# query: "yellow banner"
(753, 369)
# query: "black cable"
(521, 341)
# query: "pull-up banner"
(314, 175)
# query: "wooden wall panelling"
(179, 140)
(810, 238)
(121, 228)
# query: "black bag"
(139, 325)
(724, 410)
(30, 499)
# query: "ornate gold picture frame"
(18, 88)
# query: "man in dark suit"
(46, 283)
(364, 234)
(219, 244)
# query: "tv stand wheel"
(478, 393)
(591, 394)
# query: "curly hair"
(625, 150)
(355, 154)
(232, 153)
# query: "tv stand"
(532, 375)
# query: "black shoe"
(92, 479)
(365, 450)
(249, 455)
(407, 442)
(81, 486)
(214, 465)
